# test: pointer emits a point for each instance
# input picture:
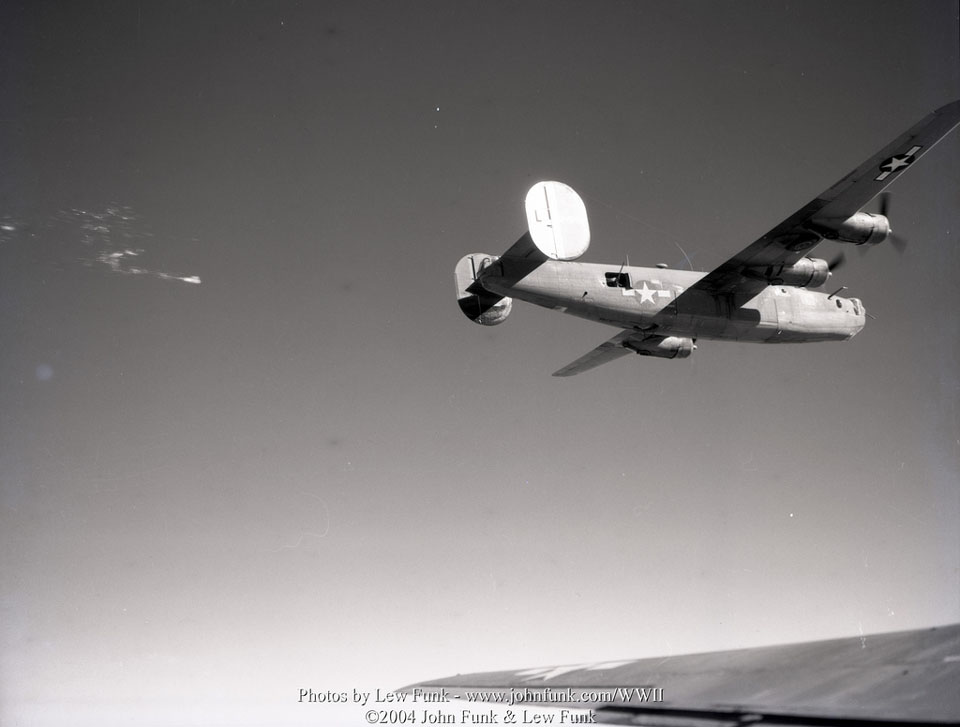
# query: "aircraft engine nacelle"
(669, 347)
(864, 228)
(805, 273)
(478, 304)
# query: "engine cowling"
(863, 228)
(669, 347)
(807, 272)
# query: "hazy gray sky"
(308, 469)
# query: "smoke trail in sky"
(117, 259)
(113, 236)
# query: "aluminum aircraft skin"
(769, 292)
(900, 678)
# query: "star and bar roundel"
(648, 294)
(896, 163)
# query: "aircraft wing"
(796, 236)
(606, 351)
(630, 341)
(908, 677)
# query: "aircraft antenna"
(620, 271)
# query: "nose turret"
(861, 315)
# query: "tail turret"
(478, 304)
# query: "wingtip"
(950, 109)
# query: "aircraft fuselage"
(659, 300)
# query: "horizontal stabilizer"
(557, 219)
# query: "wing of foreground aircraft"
(834, 214)
(909, 677)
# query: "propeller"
(885, 203)
(898, 242)
(837, 262)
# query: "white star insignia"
(646, 295)
(549, 672)
(897, 163)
